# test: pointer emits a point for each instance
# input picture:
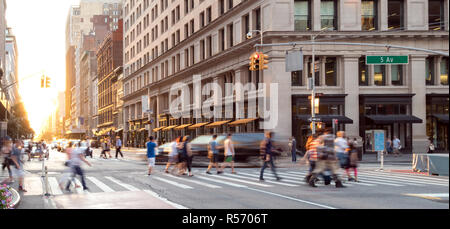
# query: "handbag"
(210, 154)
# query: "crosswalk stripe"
(388, 181)
(271, 177)
(291, 176)
(173, 183)
(242, 181)
(267, 181)
(194, 181)
(223, 182)
(54, 186)
(408, 179)
(409, 176)
(126, 186)
(382, 183)
(100, 184)
(178, 206)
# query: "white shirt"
(75, 156)
(396, 143)
(340, 145)
(229, 148)
(174, 150)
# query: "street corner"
(116, 200)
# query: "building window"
(436, 14)
(230, 35)
(302, 15)
(330, 71)
(444, 71)
(395, 14)
(379, 75)
(221, 7)
(363, 72)
(202, 19)
(245, 25)
(209, 46)
(429, 70)
(397, 74)
(230, 4)
(258, 19)
(208, 15)
(368, 15)
(297, 77)
(328, 14)
(221, 40)
(202, 49)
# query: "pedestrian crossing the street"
(245, 178)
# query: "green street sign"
(387, 60)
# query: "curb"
(16, 198)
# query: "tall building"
(5, 106)
(90, 17)
(109, 68)
(11, 78)
(167, 42)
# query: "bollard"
(47, 194)
(380, 157)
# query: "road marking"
(409, 179)
(383, 183)
(291, 198)
(267, 180)
(194, 181)
(242, 181)
(100, 184)
(430, 196)
(443, 179)
(387, 180)
(54, 186)
(80, 189)
(173, 183)
(415, 178)
(292, 175)
(271, 177)
(223, 182)
(126, 186)
(178, 206)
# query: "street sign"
(378, 136)
(387, 59)
(315, 119)
(294, 61)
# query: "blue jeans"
(294, 156)
(272, 167)
(76, 169)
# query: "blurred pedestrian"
(327, 160)
(173, 154)
(293, 148)
(108, 147)
(6, 154)
(76, 157)
(389, 149)
(186, 150)
(68, 172)
(268, 156)
(396, 144)
(431, 146)
(229, 154)
(341, 146)
(118, 147)
(311, 154)
(151, 145)
(352, 162)
(213, 154)
(17, 159)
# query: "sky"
(39, 27)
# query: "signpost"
(379, 146)
(387, 59)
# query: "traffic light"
(254, 61)
(263, 61)
(43, 82)
(47, 82)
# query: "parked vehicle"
(162, 154)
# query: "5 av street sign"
(378, 60)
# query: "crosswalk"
(245, 178)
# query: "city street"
(124, 183)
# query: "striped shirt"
(312, 149)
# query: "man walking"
(151, 145)
(76, 157)
(396, 145)
(214, 155)
(293, 148)
(173, 154)
(16, 157)
(268, 156)
(118, 147)
(229, 154)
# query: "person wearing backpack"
(268, 156)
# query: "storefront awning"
(389, 119)
(118, 130)
(327, 118)
(441, 117)
(169, 128)
(142, 129)
(198, 125)
(242, 121)
(158, 129)
(216, 124)
(182, 126)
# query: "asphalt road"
(124, 183)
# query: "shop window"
(444, 71)
(370, 109)
(403, 109)
(302, 15)
(304, 110)
(297, 78)
(429, 70)
(379, 75)
(328, 14)
(330, 71)
(363, 72)
(436, 14)
(395, 14)
(368, 15)
(397, 74)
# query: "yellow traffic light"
(263, 61)
(254, 61)
(43, 82)
(47, 82)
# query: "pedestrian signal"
(43, 82)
